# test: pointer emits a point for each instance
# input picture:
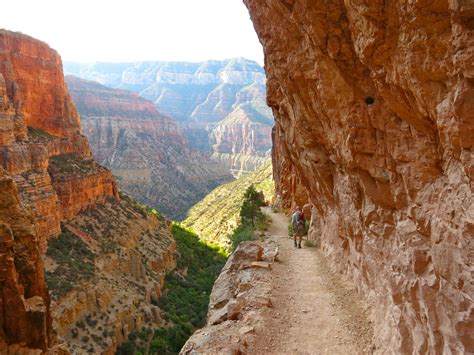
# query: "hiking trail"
(315, 311)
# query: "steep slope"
(145, 150)
(217, 215)
(236, 138)
(199, 95)
(374, 109)
(105, 256)
(24, 301)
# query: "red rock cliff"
(374, 106)
(24, 301)
(38, 121)
(146, 151)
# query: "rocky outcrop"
(105, 256)
(145, 150)
(112, 285)
(373, 104)
(39, 122)
(25, 320)
(200, 96)
(242, 141)
(239, 294)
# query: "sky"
(138, 30)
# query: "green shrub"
(242, 233)
(290, 229)
(250, 210)
(186, 299)
(75, 263)
(252, 217)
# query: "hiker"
(297, 220)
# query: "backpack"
(301, 218)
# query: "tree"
(250, 209)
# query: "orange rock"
(374, 118)
(40, 122)
(24, 298)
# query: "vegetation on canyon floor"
(188, 288)
(187, 291)
(217, 216)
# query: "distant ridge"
(200, 96)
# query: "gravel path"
(315, 311)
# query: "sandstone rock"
(246, 330)
(24, 300)
(47, 176)
(247, 251)
(262, 301)
(234, 307)
(261, 265)
(219, 104)
(238, 298)
(270, 254)
(218, 316)
(41, 122)
(374, 127)
(145, 150)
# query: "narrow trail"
(315, 311)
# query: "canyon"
(373, 103)
(216, 103)
(146, 151)
(374, 128)
(63, 220)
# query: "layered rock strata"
(25, 321)
(202, 97)
(145, 150)
(237, 139)
(39, 122)
(374, 106)
(111, 287)
(105, 256)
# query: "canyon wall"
(25, 320)
(146, 151)
(39, 122)
(213, 102)
(374, 106)
(103, 256)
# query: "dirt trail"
(314, 310)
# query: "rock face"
(38, 122)
(374, 118)
(146, 151)
(111, 286)
(105, 256)
(206, 98)
(236, 139)
(24, 299)
(239, 295)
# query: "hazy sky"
(120, 30)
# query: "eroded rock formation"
(25, 321)
(238, 297)
(105, 256)
(209, 99)
(374, 106)
(146, 151)
(38, 122)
